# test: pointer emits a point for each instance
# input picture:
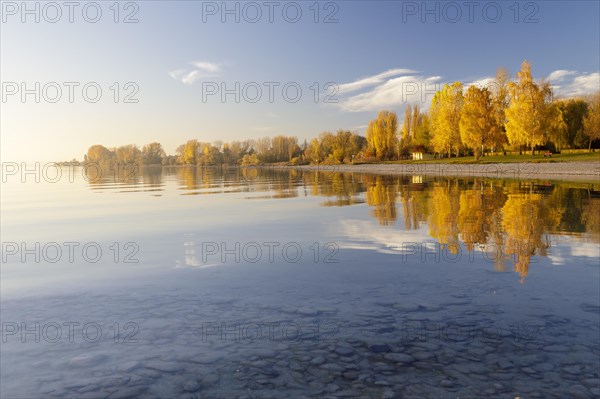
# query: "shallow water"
(204, 282)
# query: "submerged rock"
(318, 361)
(399, 358)
(191, 386)
(446, 383)
(344, 351)
(380, 348)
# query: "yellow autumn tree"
(477, 120)
(557, 126)
(527, 114)
(591, 122)
(500, 102)
(437, 143)
(445, 119)
(188, 152)
(128, 154)
(407, 133)
(100, 155)
(381, 134)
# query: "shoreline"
(574, 171)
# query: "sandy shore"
(575, 171)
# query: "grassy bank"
(538, 158)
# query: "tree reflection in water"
(515, 218)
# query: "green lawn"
(587, 156)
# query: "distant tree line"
(507, 116)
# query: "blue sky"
(179, 50)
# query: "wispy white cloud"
(580, 85)
(559, 75)
(190, 77)
(176, 74)
(209, 67)
(388, 89)
(372, 80)
(202, 69)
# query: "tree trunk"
(532, 152)
(590, 146)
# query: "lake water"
(248, 283)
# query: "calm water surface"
(197, 282)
